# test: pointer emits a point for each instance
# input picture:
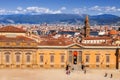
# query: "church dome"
(113, 32)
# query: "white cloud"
(63, 8)
(118, 9)
(19, 8)
(100, 13)
(42, 10)
(2, 11)
(96, 8)
(32, 10)
(76, 11)
(105, 8)
(110, 9)
(79, 10)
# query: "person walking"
(85, 71)
(105, 75)
(67, 66)
(69, 71)
(111, 75)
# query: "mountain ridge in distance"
(104, 19)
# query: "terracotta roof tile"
(97, 38)
(55, 42)
(18, 38)
(12, 29)
(98, 44)
(113, 32)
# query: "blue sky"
(92, 7)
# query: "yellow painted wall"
(57, 57)
(102, 53)
(35, 58)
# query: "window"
(107, 66)
(17, 43)
(97, 58)
(62, 58)
(28, 58)
(7, 43)
(51, 58)
(41, 58)
(70, 56)
(18, 58)
(107, 58)
(80, 56)
(97, 66)
(87, 58)
(7, 58)
(62, 66)
(29, 44)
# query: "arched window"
(7, 57)
(41, 58)
(52, 58)
(97, 58)
(107, 58)
(17, 57)
(28, 58)
(80, 56)
(87, 58)
(70, 56)
(62, 58)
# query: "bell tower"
(86, 27)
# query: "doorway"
(75, 57)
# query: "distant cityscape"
(68, 29)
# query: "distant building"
(87, 27)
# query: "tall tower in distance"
(86, 27)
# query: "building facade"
(59, 56)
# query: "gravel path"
(57, 74)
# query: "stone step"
(76, 67)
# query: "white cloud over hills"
(105, 9)
(43, 10)
(99, 9)
(32, 10)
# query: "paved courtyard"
(57, 74)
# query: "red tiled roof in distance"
(15, 39)
(113, 32)
(12, 29)
(97, 38)
(49, 41)
(98, 45)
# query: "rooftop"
(50, 41)
(12, 29)
(15, 39)
(97, 38)
(113, 32)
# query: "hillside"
(105, 19)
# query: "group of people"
(106, 74)
(84, 69)
(68, 69)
